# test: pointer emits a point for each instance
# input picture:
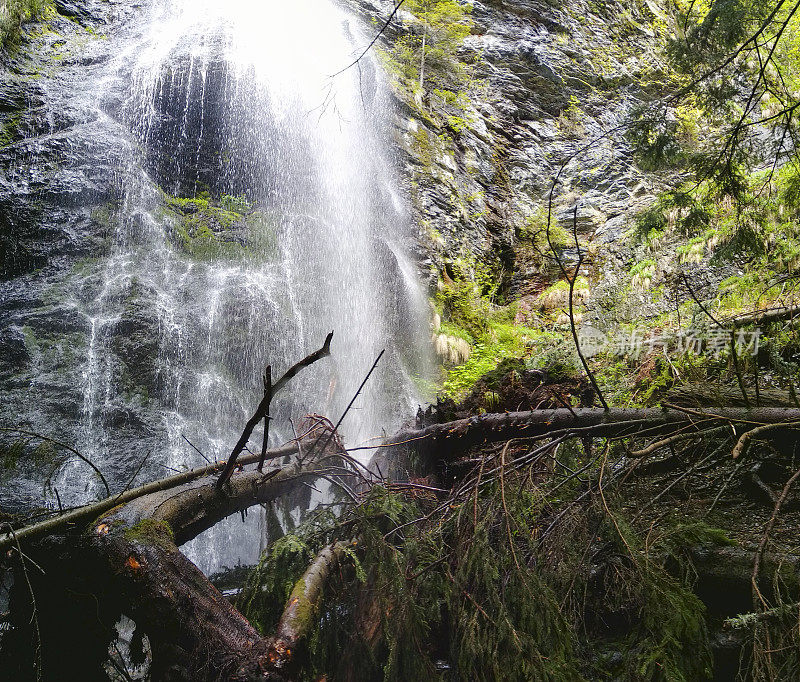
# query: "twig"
(571, 280)
(765, 537)
(66, 447)
(297, 440)
(263, 406)
(676, 438)
(697, 300)
(195, 448)
(747, 436)
(738, 371)
(135, 474)
(372, 42)
(267, 400)
(350, 404)
(672, 484)
(37, 663)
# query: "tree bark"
(72, 520)
(301, 610)
(194, 632)
(762, 316)
(440, 442)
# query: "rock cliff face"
(551, 86)
(554, 85)
(59, 160)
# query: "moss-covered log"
(194, 632)
(77, 517)
(298, 617)
(129, 556)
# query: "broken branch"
(263, 407)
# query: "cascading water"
(258, 210)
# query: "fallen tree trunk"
(194, 632)
(72, 520)
(130, 554)
(301, 610)
(762, 316)
(445, 441)
(132, 541)
(451, 438)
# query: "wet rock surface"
(60, 152)
(556, 84)
(149, 216)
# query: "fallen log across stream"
(128, 543)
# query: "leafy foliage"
(428, 52)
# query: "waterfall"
(257, 209)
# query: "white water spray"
(235, 99)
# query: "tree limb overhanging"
(449, 439)
(74, 519)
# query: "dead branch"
(335, 429)
(64, 446)
(762, 316)
(748, 620)
(263, 407)
(571, 280)
(445, 441)
(81, 515)
(268, 398)
(746, 437)
(677, 438)
(452, 438)
(757, 596)
(373, 41)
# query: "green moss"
(107, 214)
(31, 342)
(19, 12)
(151, 532)
(304, 610)
(504, 343)
(9, 129)
(231, 229)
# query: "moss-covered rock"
(228, 229)
(17, 12)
